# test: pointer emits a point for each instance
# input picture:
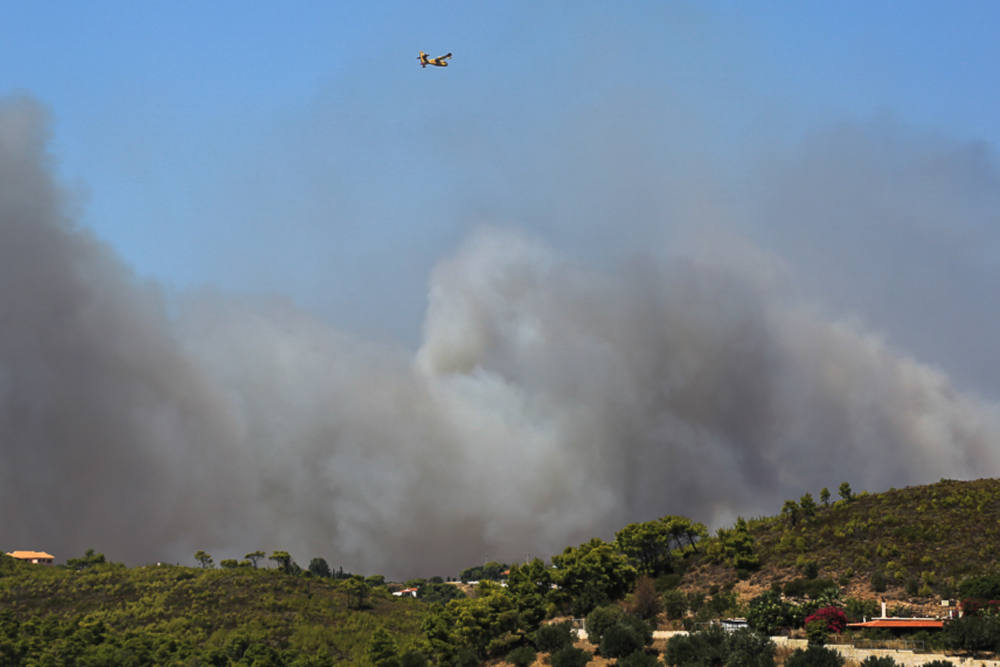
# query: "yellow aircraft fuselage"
(437, 62)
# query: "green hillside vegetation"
(915, 544)
(108, 614)
(810, 568)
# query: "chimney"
(883, 608)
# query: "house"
(733, 624)
(412, 592)
(37, 557)
(900, 625)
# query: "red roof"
(914, 623)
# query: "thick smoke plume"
(548, 402)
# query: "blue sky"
(299, 149)
(616, 241)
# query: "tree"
(551, 637)
(790, 510)
(684, 529)
(89, 559)
(824, 496)
(735, 546)
(616, 632)
(382, 651)
(708, 648)
(319, 567)
(645, 603)
(845, 491)
(254, 556)
(357, 591)
(204, 558)
(768, 613)
(675, 604)
(808, 505)
(569, 656)
(529, 584)
(750, 649)
(283, 559)
(522, 656)
(647, 544)
(229, 563)
(592, 574)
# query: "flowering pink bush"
(834, 618)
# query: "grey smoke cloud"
(550, 400)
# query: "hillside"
(110, 614)
(913, 544)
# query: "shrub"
(621, 639)
(833, 618)
(413, 659)
(715, 646)
(644, 602)
(638, 659)
(768, 613)
(938, 663)
(675, 604)
(522, 656)
(569, 656)
(553, 636)
(602, 618)
(814, 656)
(809, 588)
(880, 661)
(750, 649)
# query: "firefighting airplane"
(437, 62)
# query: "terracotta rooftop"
(28, 555)
(899, 623)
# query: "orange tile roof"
(28, 555)
(899, 623)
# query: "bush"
(522, 656)
(602, 618)
(833, 619)
(675, 604)
(413, 659)
(880, 661)
(750, 649)
(569, 656)
(808, 588)
(768, 613)
(715, 646)
(552, 637)
(938, 663)
(619, 640)
(814, 656)
(638, 659)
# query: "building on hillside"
(900, 625)
(37, 557)
(897, 625)
(412, 592)
(733, 624)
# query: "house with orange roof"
(37, 557)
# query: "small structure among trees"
(37, 557)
